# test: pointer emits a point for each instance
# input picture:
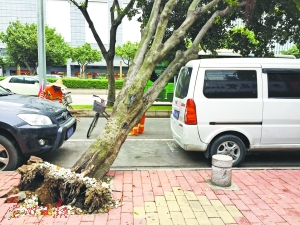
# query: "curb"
(149, 114)
(85, 91)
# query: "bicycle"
(99, 107)
(67, 100)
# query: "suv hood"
(29, 103)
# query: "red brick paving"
(265, 196)
(224, 199)
(138, 201)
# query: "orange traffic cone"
(141, 124)
(134, 131)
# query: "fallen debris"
(53, 190)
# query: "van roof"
(217, 62)
(223, 53)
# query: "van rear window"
(230, 84)
(183, 82)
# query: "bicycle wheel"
(93, 124)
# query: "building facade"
(70, 23)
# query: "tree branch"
(115, 23)
(144, 43)
(211, 21)
(182, 58)
(117, 5)
(194, 12)
(92, 27)
(112, 13)
(120, 17)
(163, 22)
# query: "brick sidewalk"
(185, 197)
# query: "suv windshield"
(182, 85)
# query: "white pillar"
(221, 170)
(69, 68)
(41, 41)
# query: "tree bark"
(111, 82)
(29, 68)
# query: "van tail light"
(190, 116)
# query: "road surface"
(156, 149)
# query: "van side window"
(183, 82)
(230, 84)
(284, 85)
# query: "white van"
(234, 105)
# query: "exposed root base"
(55, 185)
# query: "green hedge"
(87, 83)
(165, 95)
(84, 83)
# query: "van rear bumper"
(189, 140)
(191, 147)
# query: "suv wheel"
(229, 145)
(9, 155)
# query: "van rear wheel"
(229, 145)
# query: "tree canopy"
(22, 45)
(292, 51)
(4, 62)
(265, 20)
(85, 55)
(297, 3)
(127, 51)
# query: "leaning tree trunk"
(132, 102)
(129, 107)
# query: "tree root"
(54, 184)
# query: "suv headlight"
(35, 119)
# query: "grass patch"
(152, 108)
